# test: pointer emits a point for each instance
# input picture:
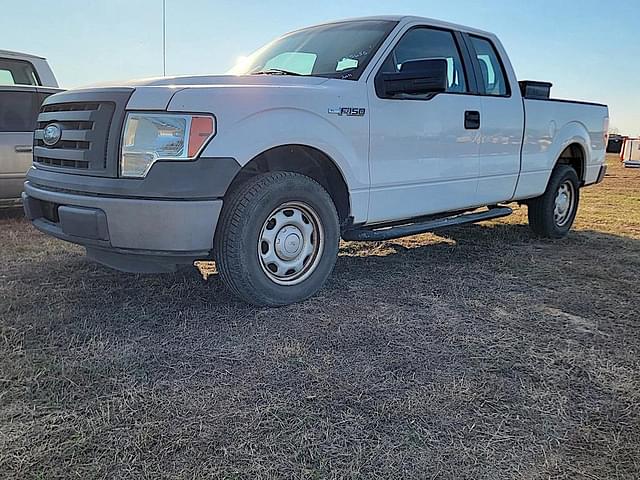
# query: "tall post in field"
(164, 38)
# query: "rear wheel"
(277, 239)
(552, 214)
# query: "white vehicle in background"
(630, 152)
(25, 81)
(365, 129)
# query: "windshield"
(338, 50)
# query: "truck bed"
(544, 140)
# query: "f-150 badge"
(348, 111)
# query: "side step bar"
(381, 232)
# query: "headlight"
(149, 137)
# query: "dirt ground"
(479, 352)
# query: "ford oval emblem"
(51, 134)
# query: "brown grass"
(480, 352)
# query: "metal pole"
(164, 38)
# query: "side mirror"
(417, 77)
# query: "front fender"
(253, 119)
(266, 129)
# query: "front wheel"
(552, 214)
(277, 240)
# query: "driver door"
(423, 148)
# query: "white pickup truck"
(365, 129)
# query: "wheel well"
(305, 160)
(573, 156)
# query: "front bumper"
(129, 234)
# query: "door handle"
(472, 120)
(24, 148)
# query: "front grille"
(60, 162)
(71, 106)
(85, 133)
(67, 144)
(90, 123)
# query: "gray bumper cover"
(130, 234)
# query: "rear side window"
(492, 72)
(17, 72)
(18, 111)
(425, 44)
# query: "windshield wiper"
(276, 71)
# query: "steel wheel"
(291, 243)
(552, 213)
(564, 203)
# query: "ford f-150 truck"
(365, 129)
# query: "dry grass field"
(479, 352)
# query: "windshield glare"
(338, 50)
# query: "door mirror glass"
(417, 77)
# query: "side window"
(18, 111)
(493, 76)
(6, 78)
(17, 72)
(428, 43)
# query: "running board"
(381, 232)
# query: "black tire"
(242, 226)
(542, 210)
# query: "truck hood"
(156, 93)
(213, 80)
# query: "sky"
(588, 49)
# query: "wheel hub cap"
(564, 203)
(291, 243)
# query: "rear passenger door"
(18, 111)
(19, 107)
(502, 121)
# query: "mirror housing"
(416, 77)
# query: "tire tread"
(229, 248)
(540, 209)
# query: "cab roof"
(9, 53)
(417, 19)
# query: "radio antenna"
(164, 38)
